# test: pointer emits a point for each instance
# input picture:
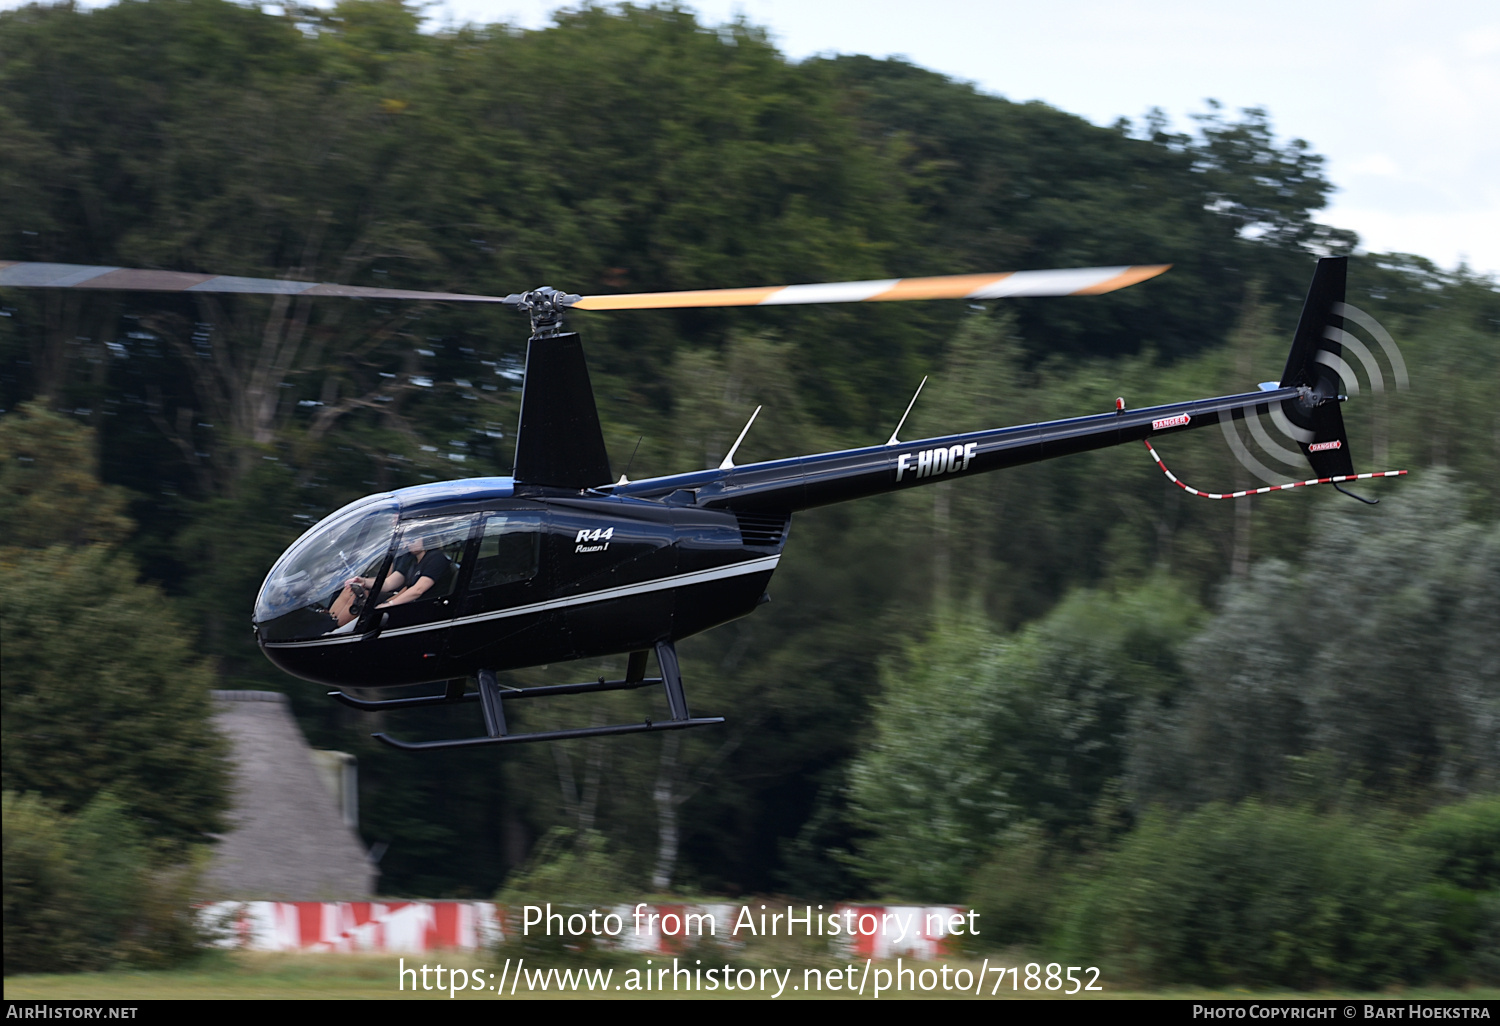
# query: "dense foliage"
(86, 892)
(115, 779)
(102, 689)
(1263, 895)
(965, 690)
(976, 734)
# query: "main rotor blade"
(81, 276)
(1076, 281)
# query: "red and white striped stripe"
(889, 931)
(1262, 491)
(347, 926)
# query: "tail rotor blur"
(1354, 315)
(1322, 377)
(1343, 357)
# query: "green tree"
(1089, 665)
(975, 733)
(1003, 185)
(102, 689)
(50, 492)
(1266, 191)
(85, 891)
(926, 789)
(1255, 894)
(1464, 839)
(1380, 656)
(42, 907)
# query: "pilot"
(423, 564)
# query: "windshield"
(304, 594)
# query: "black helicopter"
(460, 579)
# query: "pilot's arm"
(416, 591)
(393, 582)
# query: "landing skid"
(492, 697)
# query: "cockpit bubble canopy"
(295, 600)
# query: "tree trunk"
(666, 814)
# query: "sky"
(1402, 97)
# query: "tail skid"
(1272, 488)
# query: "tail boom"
(806, 482)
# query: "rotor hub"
(546, 306)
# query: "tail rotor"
(1319, 368)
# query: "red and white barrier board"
(911, 931)
(395, 926)
(415, 927)
(669, 928)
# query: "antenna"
(624, 478)
(728, 463)
(908, 412)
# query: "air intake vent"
(766, 530)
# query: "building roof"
(288, 838)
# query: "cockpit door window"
(503, 617)
(421, 577)
(510, 548)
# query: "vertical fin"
(1318, 411)
(559, 442)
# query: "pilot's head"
(418, 543)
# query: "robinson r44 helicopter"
(461, 579)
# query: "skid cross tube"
(553, 735)
(492, 697)
(543, 691)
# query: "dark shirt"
(404, 565)
(435, 565)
